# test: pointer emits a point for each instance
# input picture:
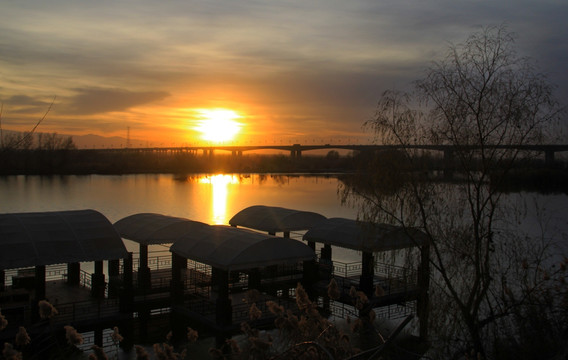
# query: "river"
(215, 198)
(210, 198)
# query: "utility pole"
(128, 137)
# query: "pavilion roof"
(364, 236)
(153, 229)
(46, 238)
(275, 219)
(230, 248)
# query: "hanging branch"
(30, 133)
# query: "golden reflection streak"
(220, 191)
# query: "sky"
(295, 71)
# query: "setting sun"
(218, 124)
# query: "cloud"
(98, 100)
(302, 62)
(24, 100)
(24, 104)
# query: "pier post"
(177, 296)
(113, 277)
(144, 280)
(325, 263)
(143, 319)
(39, 292)
(40, 282)
(98, 337)
(254, 279)
(309, 277)
(176, 286)
(98, 281)
(223, 307)
(127, 276)
(367, 273)
(126, 296)
(326, 252)
(125, 304)
(2, 280)
(73, 274)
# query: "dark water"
(214, 199)
(209, 198)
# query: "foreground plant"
(46, 310)
(304, 335)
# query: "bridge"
(296, 150)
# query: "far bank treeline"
(50, 154)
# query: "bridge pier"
(296, 154)
(448, 163)
(296, 151)
(549, 157)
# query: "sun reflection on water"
(220, 191)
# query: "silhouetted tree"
(481, 93)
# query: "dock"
(207, 279)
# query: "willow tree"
(476, 101)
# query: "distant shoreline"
(526, 177)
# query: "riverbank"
(527, 176)
(84, 162)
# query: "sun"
(218, 125)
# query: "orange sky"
(295, 71)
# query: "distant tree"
(332, 155)
(54, 142)
(481, 93)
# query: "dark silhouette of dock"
(210, 276)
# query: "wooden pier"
(208, 279)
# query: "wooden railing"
(86, 310)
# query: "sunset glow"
(202, 73)
(218, 125)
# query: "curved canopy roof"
(153, 229)
(46, 238)
(230, 248)
(364, 236)
(275, 219)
